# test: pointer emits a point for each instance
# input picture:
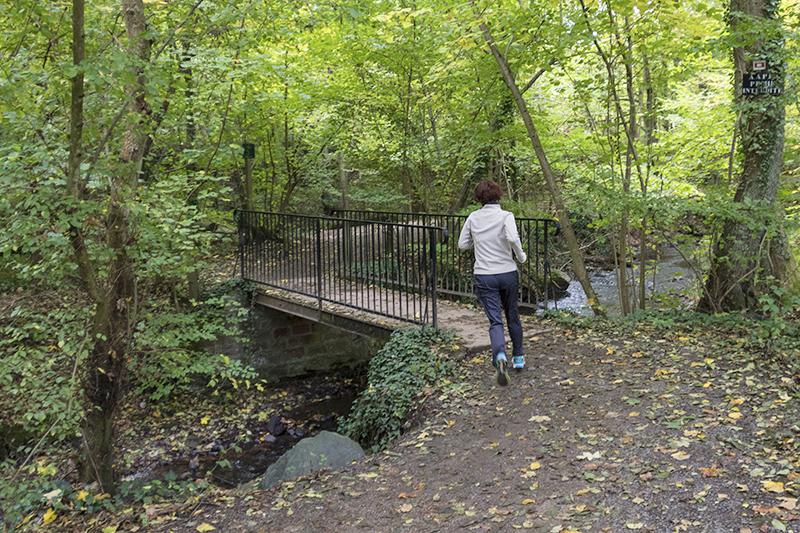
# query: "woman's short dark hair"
(487, 191)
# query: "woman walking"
(492, 232)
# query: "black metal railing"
(455, 267)
(385, 268)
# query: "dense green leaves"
(412, 365)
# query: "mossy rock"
(326, 450)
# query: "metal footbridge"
(394, 267)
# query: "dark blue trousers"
(498, 294)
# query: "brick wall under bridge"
(288, 339)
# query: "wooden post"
(249, 158)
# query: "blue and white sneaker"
(518, 361)
(502, 370)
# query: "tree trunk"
(746, 253)
(111, 330)
(578, 265)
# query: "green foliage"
(31, 494)
(41, 349)
(175, 347)
(42, 346)
(154, 491)
(399, 375)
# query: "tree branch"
(175, 30)
(537, 76)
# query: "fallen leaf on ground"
(773, 486)
(49, 516)
(539, 419)
(788, 503)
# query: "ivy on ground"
(401, 376)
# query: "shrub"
(399, 376)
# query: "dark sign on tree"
(760, 83)
(249, 150)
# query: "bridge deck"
(468, 322)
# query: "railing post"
(319, 263)
(546, 266)
(237, 217)
(434, 279)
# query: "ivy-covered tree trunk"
(749, 250)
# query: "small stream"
(260, 451)
(674, 283)
(256, 456)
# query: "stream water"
(669, 280)
(250, 458)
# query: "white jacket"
(493, 234)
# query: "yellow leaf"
(633, 413)
(205, 527)
(735, 415)
(82, 495)
(680, 456)
(110, 529)
(609, 351)
(526, 502)
(773, 486)
(204, 420)
(535, 466)
(406, 507)
(49, 516)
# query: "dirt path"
(656, 432)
